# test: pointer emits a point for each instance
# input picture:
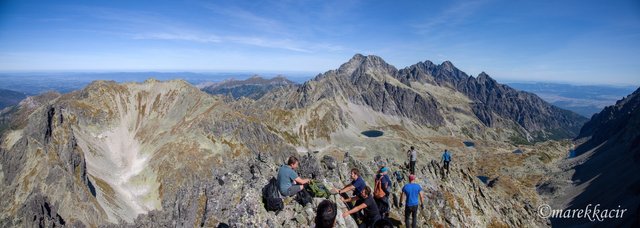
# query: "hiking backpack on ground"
(303, 197)
(271, 196)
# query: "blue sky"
(585, 42)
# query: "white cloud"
(140, 25)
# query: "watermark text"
(591, 212)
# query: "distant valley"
(585, 100)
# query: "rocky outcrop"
(46, 173)
(15, 117)
(37, 211)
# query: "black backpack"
(271, 196)
(303, 197)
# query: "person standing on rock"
(413, 157)
(365, 203)
(289, 182)
(384, 182)
(414, 193)
(446, 159)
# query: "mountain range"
(253, 88)
(165, 153)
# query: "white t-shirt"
(413, 155)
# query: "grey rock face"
(37, 211)
(494, 101)
(310, 167)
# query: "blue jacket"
(446, 156)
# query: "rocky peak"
(369, 63)
(484, 78)
(448, 66)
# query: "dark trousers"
(412, 167)
(446, 166)
(411, 211)
(383, 205)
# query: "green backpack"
(318, 190)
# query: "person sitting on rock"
(326, 214)
(446, 159)
(289, 182)
(366, 204)
(413, 192)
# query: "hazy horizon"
(569, 41)
(296, 76)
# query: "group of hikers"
(369, 207)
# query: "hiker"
(357, 184)
(326, 214)
(446, 159)
(289, 182)
(413, 192)
(365, 203)
(383, 183)
(413, 157)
